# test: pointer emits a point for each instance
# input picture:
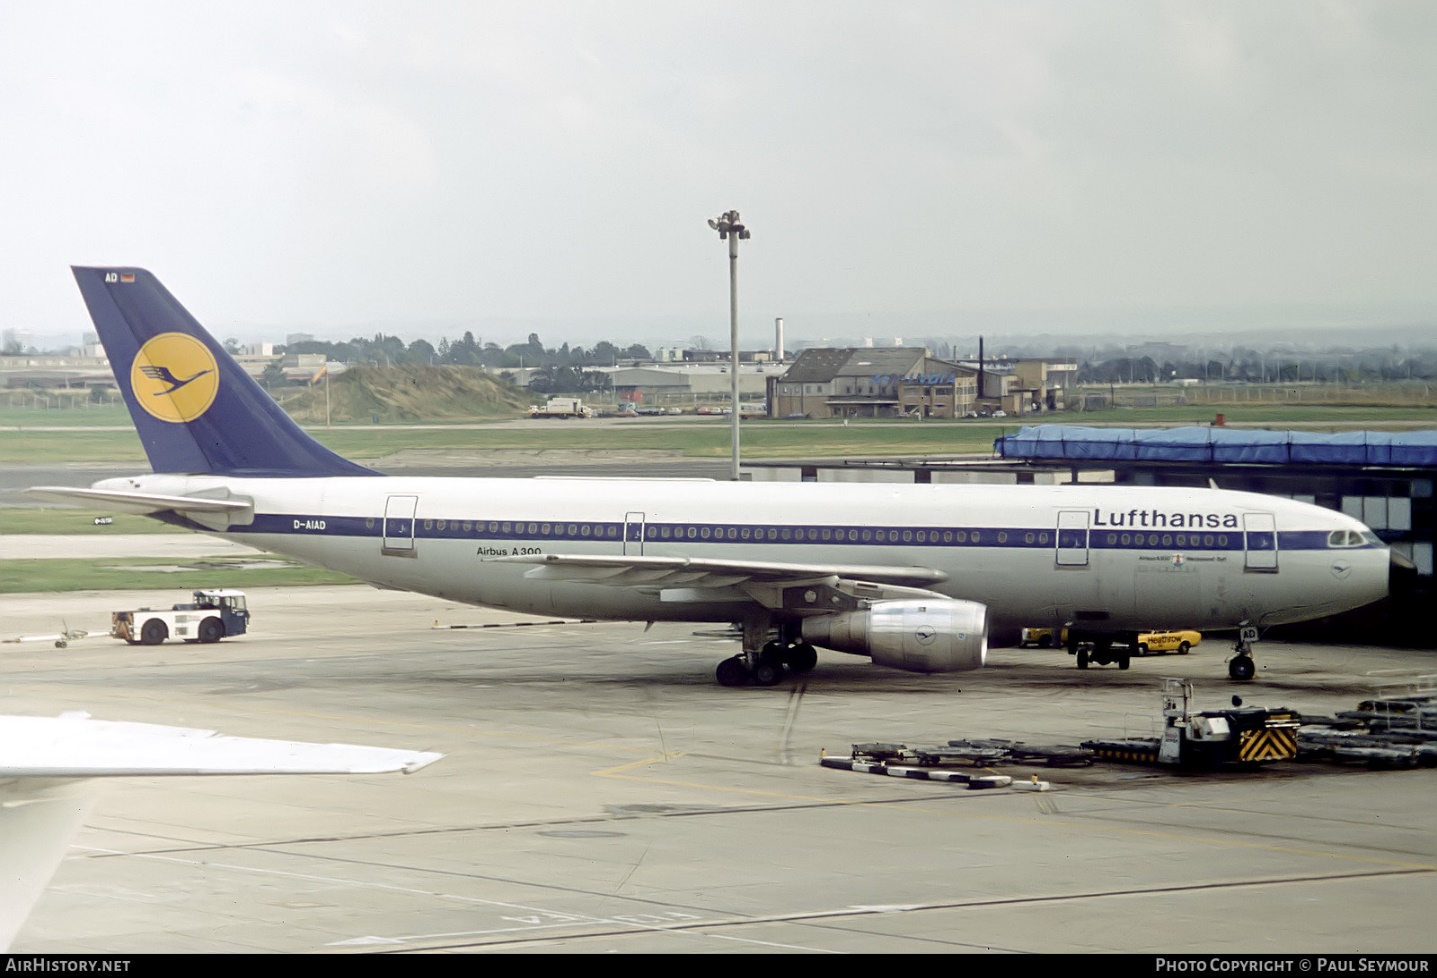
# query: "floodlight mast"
(730, 228)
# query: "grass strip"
(15, 520)
(29, 576)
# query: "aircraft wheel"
(801, 657)
(211, 630)
(732, 672)
(767, 672)
(1082, 658)
(1241, 668)
(154, 632)
(1183, 648)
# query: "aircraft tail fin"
(197, 410)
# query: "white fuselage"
(1111, 557)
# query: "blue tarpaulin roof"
(1212, 444)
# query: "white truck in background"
(213, 614)
(562, 407)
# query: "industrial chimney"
(778, 339)
(981, 392)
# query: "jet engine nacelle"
(919, 635)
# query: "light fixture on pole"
(731, 229)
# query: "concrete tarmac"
(601, 793)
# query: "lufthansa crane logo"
(175, 377)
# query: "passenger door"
(633, 534)
(1072, 539)
(1260, 541)
(399, 526)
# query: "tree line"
(1252, 366)
(383, 350)
(559, 369)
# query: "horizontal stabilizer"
(140, 503)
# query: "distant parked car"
(1043, 638)
(1179, 641)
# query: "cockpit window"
(1348, 538)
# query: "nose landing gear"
(1241, 666)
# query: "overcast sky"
(422, 166)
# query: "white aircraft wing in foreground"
(47, 764)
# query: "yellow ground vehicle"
(1043, 638)
(1179, 641)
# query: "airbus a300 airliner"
(916, 577)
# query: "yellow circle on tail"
(175, 377)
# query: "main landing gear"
(763, 662)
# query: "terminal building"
(867, 382)
(890, 382)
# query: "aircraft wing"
(667, 573)
(75, 746)
(139, 503)
(46, 764)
